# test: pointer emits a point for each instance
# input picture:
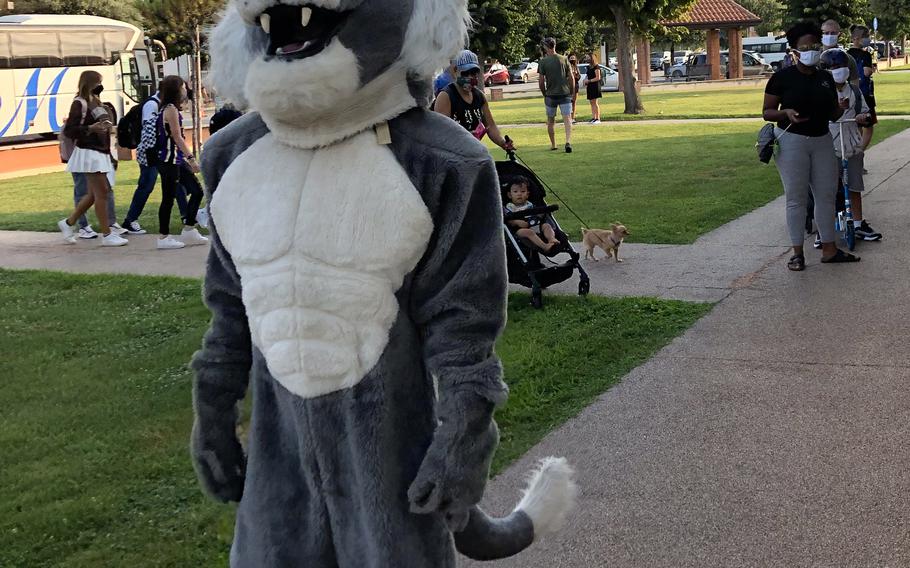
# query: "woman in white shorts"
(90, 124)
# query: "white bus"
(771, 49)
(42, 56)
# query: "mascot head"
(313, 67)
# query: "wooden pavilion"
(713, 16)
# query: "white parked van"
(771, 49)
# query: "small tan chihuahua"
(608, 241)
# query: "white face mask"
(829, 40)
(841, 75)
(809, 58)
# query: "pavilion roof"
(711, 14)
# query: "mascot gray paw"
(218, 458)
(454, 472)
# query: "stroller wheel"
(584, 287)
(537, 299)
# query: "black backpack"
(129, 129)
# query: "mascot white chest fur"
(321, 243)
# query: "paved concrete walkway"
(775, 432)
(46, 251)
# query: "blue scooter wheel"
(850, 235)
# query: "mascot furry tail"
(550, 495)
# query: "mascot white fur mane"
(357, 284)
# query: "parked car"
(609, 79)
(680, 57)
(497, 74)
(523, 72)
(773, 50)
(659, 59)
(696, 67)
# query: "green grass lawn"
(36, 203)
(668, 183)
(892, 93)
(97, 412)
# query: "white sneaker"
(192, 237)
(116, 229)
(87, 232)
(595, 121)
(65, 228)
(69, 240)
(113, 240)
(134, 228)
(168, 243)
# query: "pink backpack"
(67, 144)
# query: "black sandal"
(840, 256)
(797, 263)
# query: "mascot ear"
(437, 31)
(234, 46)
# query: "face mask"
(841, 75)
(465, 82)
(809, 58)
(97, 90)
(867, 42)
(829, 40)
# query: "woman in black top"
(464, 103)
(592, 83)
(802, 99)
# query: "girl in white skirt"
(89, 124)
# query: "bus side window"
(6, 56)
(35, 49)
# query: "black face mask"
(97, 90)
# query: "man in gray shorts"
(557, 85)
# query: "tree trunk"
(197, 91)
(624, 61)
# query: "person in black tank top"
(466, 104)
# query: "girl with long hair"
(89, 123)
(177, 165)
(576, 77)
(592, 81)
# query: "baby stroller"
(529, 266)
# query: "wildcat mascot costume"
(357, 285)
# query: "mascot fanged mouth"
(297, 32)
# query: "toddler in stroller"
(531, 228)
(527, 247)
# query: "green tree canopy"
(115, 9)
(893, 17)
(845, 12)
(772, 13)
(631, 17)
(509, 30)
(174, 21)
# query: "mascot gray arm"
(222, 366)
(460, 305)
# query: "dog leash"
(550, 189)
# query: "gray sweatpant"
(805, 161)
